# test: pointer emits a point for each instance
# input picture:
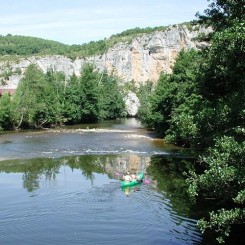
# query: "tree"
(222, 85)
(174, 94)
(145, 91)
(32, 105)
(89, 85)
(202, 103)
(56, 82)
(72, 101)
(111, 104)
(221, 14)
(224, 66)
(5, 112)
(161, 104)
(223, 181)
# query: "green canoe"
(134, 182)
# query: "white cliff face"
(149, 55)
(132, 104)
(143, 59)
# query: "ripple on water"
(101, 215)
(83, 213)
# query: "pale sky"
(82, 21)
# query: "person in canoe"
(129, 181)
(127, 177)
(134, 176)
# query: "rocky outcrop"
(141, 60)
(132, 104)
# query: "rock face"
(141, 60)
(132, 104)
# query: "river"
(62, 186)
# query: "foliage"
(222, 85)
(224, 67)
(44, 100)
(131, 86)
(32, 107)
(111, 101)
(5, 112)
(202, 104)
(21, 45)
(221, 14)
(144, 93)
(224, 181)
(71, 101)
(89, 82)
(137, 30)
(160, 105)
(173, 97)
(89, 49)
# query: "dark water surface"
(62, 186)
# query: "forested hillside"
(21, 45)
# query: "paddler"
(127, 177)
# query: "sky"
(82, 21)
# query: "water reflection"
(83, 194)
(37, 168)
(162, 174)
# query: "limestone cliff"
(141, 60)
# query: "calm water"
(62, 186)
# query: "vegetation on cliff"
(202, 104)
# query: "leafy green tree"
(5, 112)
(21, 45)
(111, 104)
(32, 100)
(223, 181)
(202, 103)
(222, 14)
(56, 82)
(222, 118)
(161, 104)
(89, 85)
(144, 93)
(183, 121)
(93, 96)
(224, 66)
(172, 97)
(72, 101)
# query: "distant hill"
(30, 46)
(23, 45)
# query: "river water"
(62, 186)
